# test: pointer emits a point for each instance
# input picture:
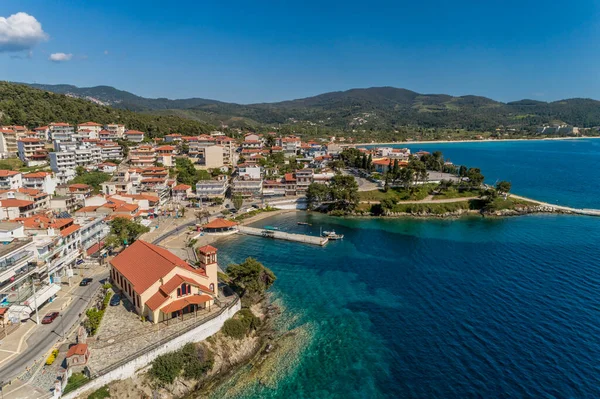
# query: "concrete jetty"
(280, 235)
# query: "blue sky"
(256, 51)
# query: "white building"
(212, 188)
(134, 136)
(116, 129)
(42, 133)
(10, 180)
(61, 131)
(90, 128)
(32, 151)
(42, 181)
(63, 164)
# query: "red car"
(49, 318)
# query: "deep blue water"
(468, 308)
(563, 172)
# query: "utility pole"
(37, 315)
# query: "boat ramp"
(280, 235)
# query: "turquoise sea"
(464, 308)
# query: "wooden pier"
(280, 235)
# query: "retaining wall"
(127, 370)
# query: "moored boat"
(332, 235)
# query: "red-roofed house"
(220, 226)
(134, 136)
(161, 285)
(78, 355)
(181, 192)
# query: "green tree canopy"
(250, 277)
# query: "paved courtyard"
(123, 333)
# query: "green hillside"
(23, 105)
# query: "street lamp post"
(62, 326)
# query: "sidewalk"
(16, 343)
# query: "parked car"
(86, 281)
(115, 300)
(49, 318)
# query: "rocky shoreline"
(520, 211)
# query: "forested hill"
(23, 105)
(108, 95)
(371, 109)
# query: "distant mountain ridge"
(375, 108)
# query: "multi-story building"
(304, 177)
(290, 145)
(228, 145)
(10, 180)
(63, 164)
(134, 136)
(107, 135)
(17, 264)
(110, 150)
(8, 142)
(43, 181)
(209, 189)
(92, 231)
(42, 133)
(61, 131)
(211, 156)
(32, 151)
(171, 138)
(117, 129)
(181, 192)
(40, 199)
(13, 208)
(143, 156)
(247, 187)
(88, 156)
(91, 129)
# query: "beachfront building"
(181, 192)
(160, 285)
(220, 226)
(210, 189)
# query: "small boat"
(271, 228)
(303, 224)
(332, 235)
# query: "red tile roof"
(177, 280)
(143, 264)
(33, 175)
(181, 187)
(207, 249)
(4, 173)
(11, 202)
(69, 230)
(78, 349)
(219, 224)
(89, 124)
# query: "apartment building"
(17, 264)
(63, 165)
(42, 133)
(8, 142)
(32, 151)
(229, 148)
(181, 192)
(172, 138)
(13, 208)
(42, 181)
(60, 131)
(107, 135)
(110, 150)
(91, 129)
(134, 136)
(118, 130)
(40, 199)
(92, 231)
(304, 178)
(209, 189)
(10, 180)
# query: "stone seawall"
(128, 369)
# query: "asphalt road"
(46, 335)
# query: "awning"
(183, 302)
(42, 295)
(94, 248)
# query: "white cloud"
(20, 31)
(60, 57)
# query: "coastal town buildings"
(210, 189)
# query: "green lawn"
(399, 194)
(75, 381)
(454, 193)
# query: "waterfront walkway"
(280, 235)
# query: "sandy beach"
(470, 141)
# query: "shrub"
(107, 286)
(234, 328)
(52, 357)
(75, 381)
(249, 319)
(101, 393)
(167, 367)
(197, 361)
